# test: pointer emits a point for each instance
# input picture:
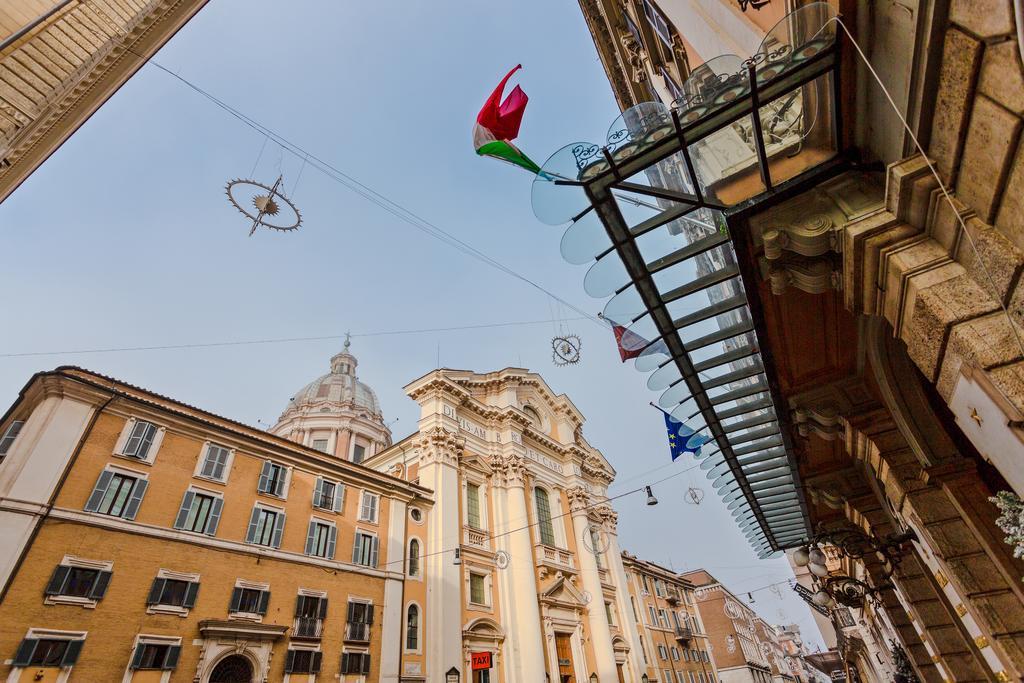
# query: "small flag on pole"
(681, 437)
(632, 344)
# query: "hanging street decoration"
(264, 205)
(694, 495)
(565, 349)
(497, 125)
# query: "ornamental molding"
(438, 445)
(508, 470)
(579, 499)
(609, 517)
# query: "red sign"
(480, 660)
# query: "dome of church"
(339, 386)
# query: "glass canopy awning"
(648, 210)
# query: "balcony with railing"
(556, 559)
(475, 537)
(308, 628)
(357, 633)
(683, 633)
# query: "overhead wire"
(279, 340)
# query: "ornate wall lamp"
(854, 544)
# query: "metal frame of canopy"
(757, 474)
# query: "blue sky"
(125, 238)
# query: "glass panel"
(709, 85)
(606, 276)
(726, 163)
(638, 128)
(624, 307)
(797, 129)
(796, 38)
(585, 239)
(640, 334)
(663, 377)
(557, 204)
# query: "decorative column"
(527, 641)
(439, 461)
(600, 631)
(614, 558)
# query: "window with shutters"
(473, 519)
(118, 493)
(172, 593)
(355, 663)
(358, 620)
(157, 653)
(46, 648)
(321, 538)
(139, 440)
(303, 661)
(654, 617)
(412, 628)
(659, 22)
(364, 549)
(310, 612)
(273, 480)
(662, 652)
(368, 505)
(199, 512)
(215, 463)
(662, 618)
(328, 495)
(266, 526)
(686, 655)
(358, 453)
(414, 557)
(320, 445)
(249, 600)
(675, 653)
(76, 581)
(9, 435)
(544, 525)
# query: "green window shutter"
(322, 609)
(71, 654)
(137, 657)
(317, 660)
(191, 593)
(264, 602)
(300, 602)
(186, 507)
(254, 520)
(155, 591)
(236, 600)
(332, 540)
(310, 537)
(356, 548)
(99, 588)
(214, 520)
(56, 585)
(345, 663)
(171, 660)
(93, 504)
(138, 491)
(289, 661)
(366, 663)
(25, 651)
(278, 529)
(264, 483)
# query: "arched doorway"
(233, 669)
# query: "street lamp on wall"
(452, 675)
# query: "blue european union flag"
(681, 438)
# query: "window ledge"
(211, 479)
(167, 609)
(132, 458)
(87, 603)
(271, 495)
(373, 522)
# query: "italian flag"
(497, 125)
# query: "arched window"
(414, 557)
(534, 416)
(543, 505)
(412, 628)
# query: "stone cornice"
(83, 385)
